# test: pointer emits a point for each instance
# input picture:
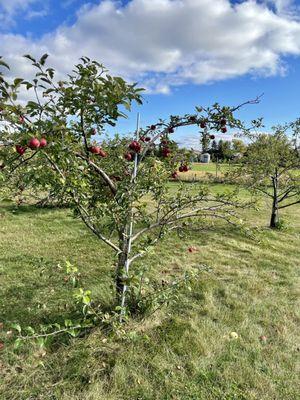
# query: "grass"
(202, 171)
(182, 352)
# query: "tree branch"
(200, 212)
(85, 218)
(254, 101)
(100, 171)
(290, 204)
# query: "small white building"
(205, 158)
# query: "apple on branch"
(34, 143)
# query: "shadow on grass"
(29, 208)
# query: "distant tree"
(205, 142)
(213, 151)
(271, 167)
(225, 151)
(238, 147)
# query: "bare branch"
(85, 218)
(290, 204)
(24, 161)
(254, 101)
(200, 212)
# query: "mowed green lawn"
(183, 351)
(202, 171)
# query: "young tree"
(271, 167)
(119, 187)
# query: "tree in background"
(213, 151)
(271, 167)
(119, 187)
(205, 142)
(238, 147)
(225, 152)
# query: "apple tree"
(271, 167)
(119, 186)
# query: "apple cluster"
(33, 143)
(98, 150)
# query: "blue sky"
(185, 52)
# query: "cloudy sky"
(184, 52)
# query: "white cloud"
(282, 6)
(9, 9)
(12, 6)
(165, 43)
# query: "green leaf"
(29, 57)
(30, 330)
(41, 341)
(43, 59)
(17, 327)
(68, 322)
(86, 300)
(73, 332)
(17, 81)
(4, 64)
(17, 343)
(28, 85)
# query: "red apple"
(95, 149)
(164, 142)
(171, 130)
(212, 137)
(166, 152)
(224, 129)
(153, 127)
(202, 124)
(34, 143)
(192, 249)
(43, 142)
(128, 156)
(185, 168)
(147, 139)
(223, 121)
(20, 149)
(174, 175)
(181, 168)
(94, 131)
(193, 118)
(102, 153)
(135, 146)
(21, 119)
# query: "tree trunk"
(274, 217)
(120, 272)
(275, 211)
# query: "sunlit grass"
(182, 352)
